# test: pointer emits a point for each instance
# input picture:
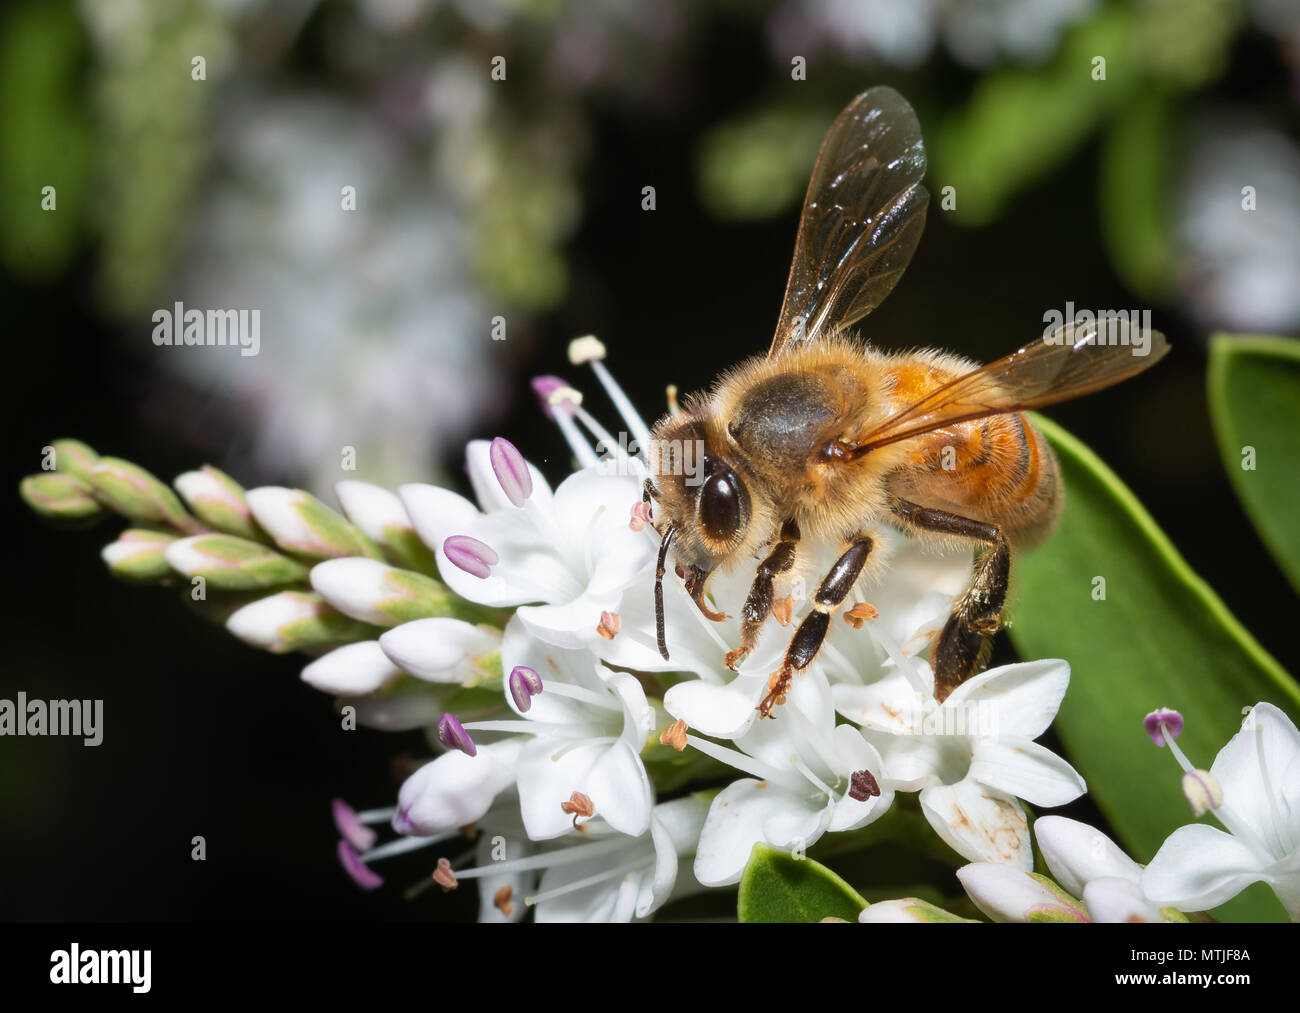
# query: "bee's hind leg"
(758, 604)
(807, 639)
(963, 645)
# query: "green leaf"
(1160, 638)
(776, 887)
(1255, 407)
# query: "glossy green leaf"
(1255, 406)
(1160, 637)
(776, 887)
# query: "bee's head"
(703, 506)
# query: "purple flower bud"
(471, 555)
(1158, 722)
(350, 828)
(511, 470)
(361, 874)
(452, 734)
(525, 684)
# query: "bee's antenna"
(659, 590)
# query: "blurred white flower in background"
(1238, 267)
(977, 33)
(373, 334)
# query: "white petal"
(1025, 769)
(521, 883)
(397, 711)
(438, 648)
(551, 770)
(1026, 696)
(979, 823)
(1007, 893)
(856, 753)
(736, 822)
(1199, 867)
(890, 704)
(351, 670)
(455, 789)
(1240, 767)
(1110, 899)
(720, 711)
(1077, 853)
(657, 887)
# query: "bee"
(826, 436)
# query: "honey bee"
(826, 436)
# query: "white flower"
(572, 552)
(811, 776)
(1085, 864)
(588, 727)
(973, 756)
(1199, 866)
(455, 789)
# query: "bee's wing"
(862, 218)
(1072, 361)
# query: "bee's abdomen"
(998, 469)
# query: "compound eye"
(721, 509)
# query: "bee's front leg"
(807, 639)
(758, 604)
(962, 645)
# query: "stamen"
(452, 734)
(1203, 791)
(363, 876)
(590, 350)
(501, 900)
(511, 471)
(859, 614)
(567, 396)
(674, 735)
(783, 609)
(401, 845)
(640, 515)
(741, 761)
(362, 838)
(525, 684)
(670, 392)
(1163, 725)
(579, 805)
(862, 786)
(608, 625)
(580, 884)
(471, 555)
(444, 877)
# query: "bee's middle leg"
(963, 643)
(808, 638)
(758, 604)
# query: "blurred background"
(219, 184)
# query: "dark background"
(205, 736)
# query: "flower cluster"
(518, 630)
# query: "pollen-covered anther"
(1202, 790)
(444, 877)
(859, 614)
(640, 516)
(783, 609)
(863, 785)
(609, 625)
(585, 349)
(578, 806)
(674, 735)
(501, 900)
